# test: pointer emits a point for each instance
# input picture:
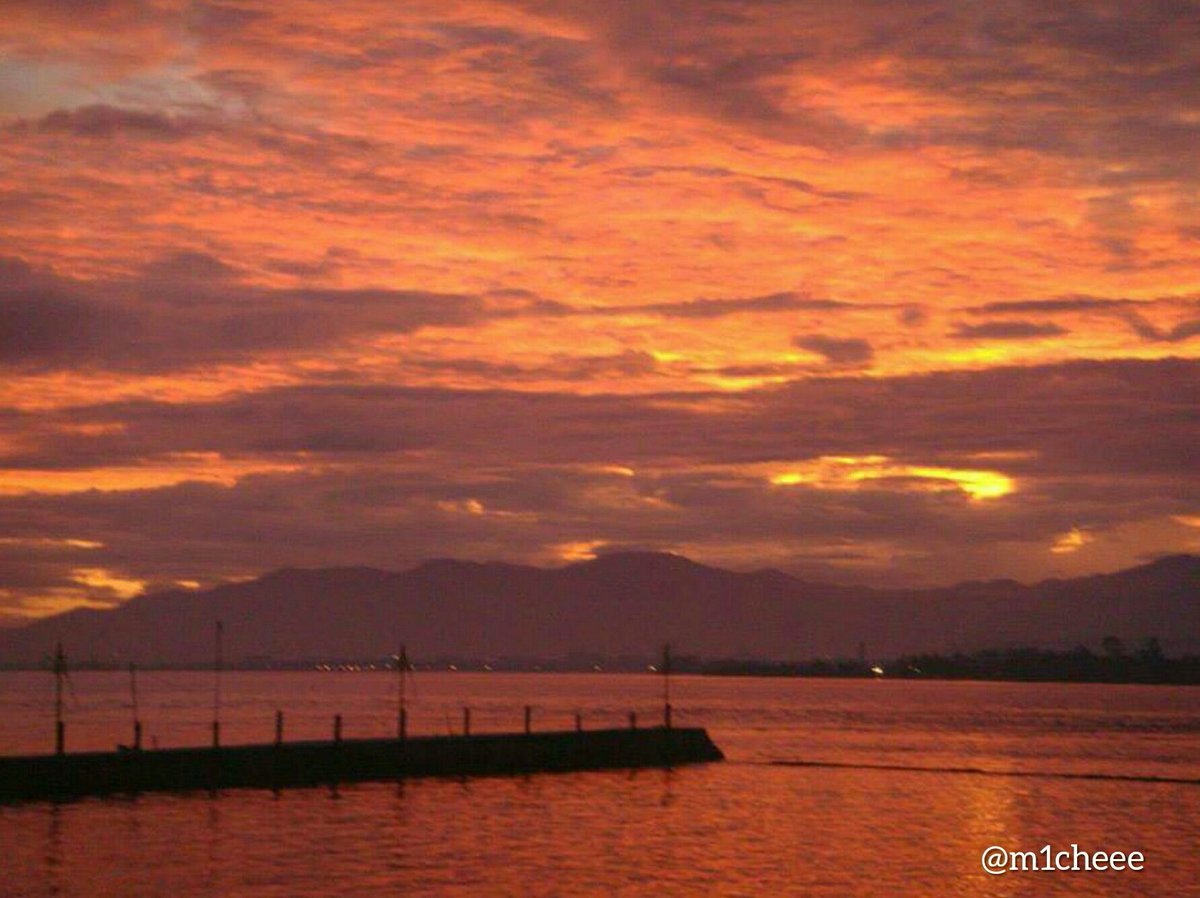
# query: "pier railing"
(282, 725)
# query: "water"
(746, 827)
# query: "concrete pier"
(279, 765)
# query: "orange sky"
(888, 292)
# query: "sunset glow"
(297, 284)
(844, 472)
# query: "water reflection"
(729, 829)
(214, 861)
(54, 849)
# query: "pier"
(312, 763)
(280, 764)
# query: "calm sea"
(750, 826)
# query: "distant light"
(651, 668)
(596, 667)
(452, 667)
(877, 670)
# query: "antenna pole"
(60, 673)
(216, 721)
(666, 670)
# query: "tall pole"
(216, 721)
(60, 673)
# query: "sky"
(886, 292)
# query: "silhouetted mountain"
(617, 604)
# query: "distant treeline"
(1112, 664)
(1147, 664)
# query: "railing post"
(528, 720)
(278, 728)
(337, 728)
(578, 722)
(403, 724)
(60, 738)
(667, 715)
(137, 735)
(466, 721)
(633, 720)
(216, 734)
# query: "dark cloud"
(42, 326)
(719, 308)
(848, 351)
(765, 370)
(1007, 330)
(220, 20)
(1122, 309)
(187, 267)
(1180, 332)
(1052, 306)
(1139, 417)
(713, 171)
(568, 368)
(43, 318)
(105, 121)
(189, 309)
(1132, 66)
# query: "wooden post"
(528, 720)
(137, 735)
(578, 722)
(337, 728)
(466, 721)
(633, 720)
(278, 728)
(216, 734)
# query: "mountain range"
(620, 604)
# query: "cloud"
(189, 309)
(1180, 332)
(563, 368)
(1133, 414)
(847, 351)
(380, 474)
(719, 308)
(1055, 306)
(105, 121)
(1007, 330)
(277, 275)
